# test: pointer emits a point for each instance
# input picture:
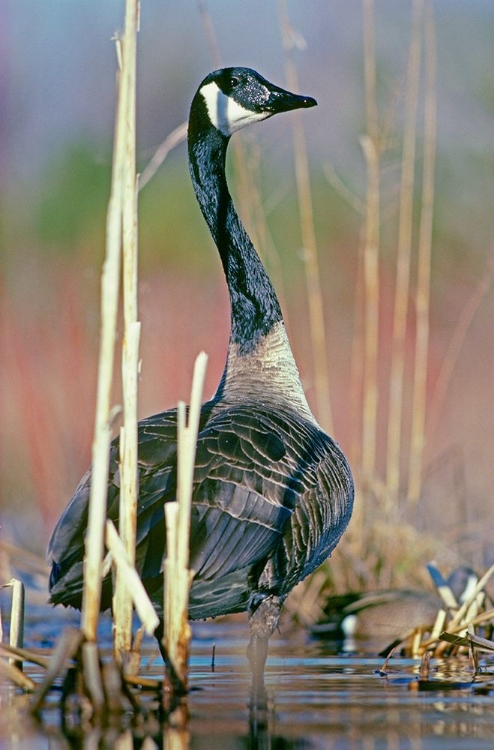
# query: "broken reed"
(16, 631)
(122, 602)
(121, 232)
(177, 576)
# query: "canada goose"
(384, 616)
(272, 492)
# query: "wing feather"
(255, 499)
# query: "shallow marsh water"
(316, 698)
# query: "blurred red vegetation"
(49, 343)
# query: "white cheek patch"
(225, 113)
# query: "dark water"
(315, 699)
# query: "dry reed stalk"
(357, 355)
(102, 432)
(171, 141)
(422, 299)
(66, 648)
(177, 575)
(16, 676)
(122, 600)
(464, 618)
(93, 678)
(248, 181)
(371, 148)
(23, 559)
(25, 655)
(463, 610)
(16, 636)
(310, 255)
(131, 580)
(245, 192)
(357, 374)
(210, 34)
(404, 249)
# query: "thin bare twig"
(171, 141)
(455, 346)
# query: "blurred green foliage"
(74, 198)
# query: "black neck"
(254, 305)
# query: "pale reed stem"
(122, 196)
(310, 255)
(177, 576)
(370, 145)
(402, 288)
(424, 268)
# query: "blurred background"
(57, 100)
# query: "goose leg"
(263, 620)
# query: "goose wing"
(242, 498)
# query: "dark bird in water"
(272, 491)
(387, 617)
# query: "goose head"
(235, 97)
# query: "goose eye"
(234, 81)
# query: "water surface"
(316, 698)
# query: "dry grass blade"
(481, 619)
(465, 607)
(484, 644)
